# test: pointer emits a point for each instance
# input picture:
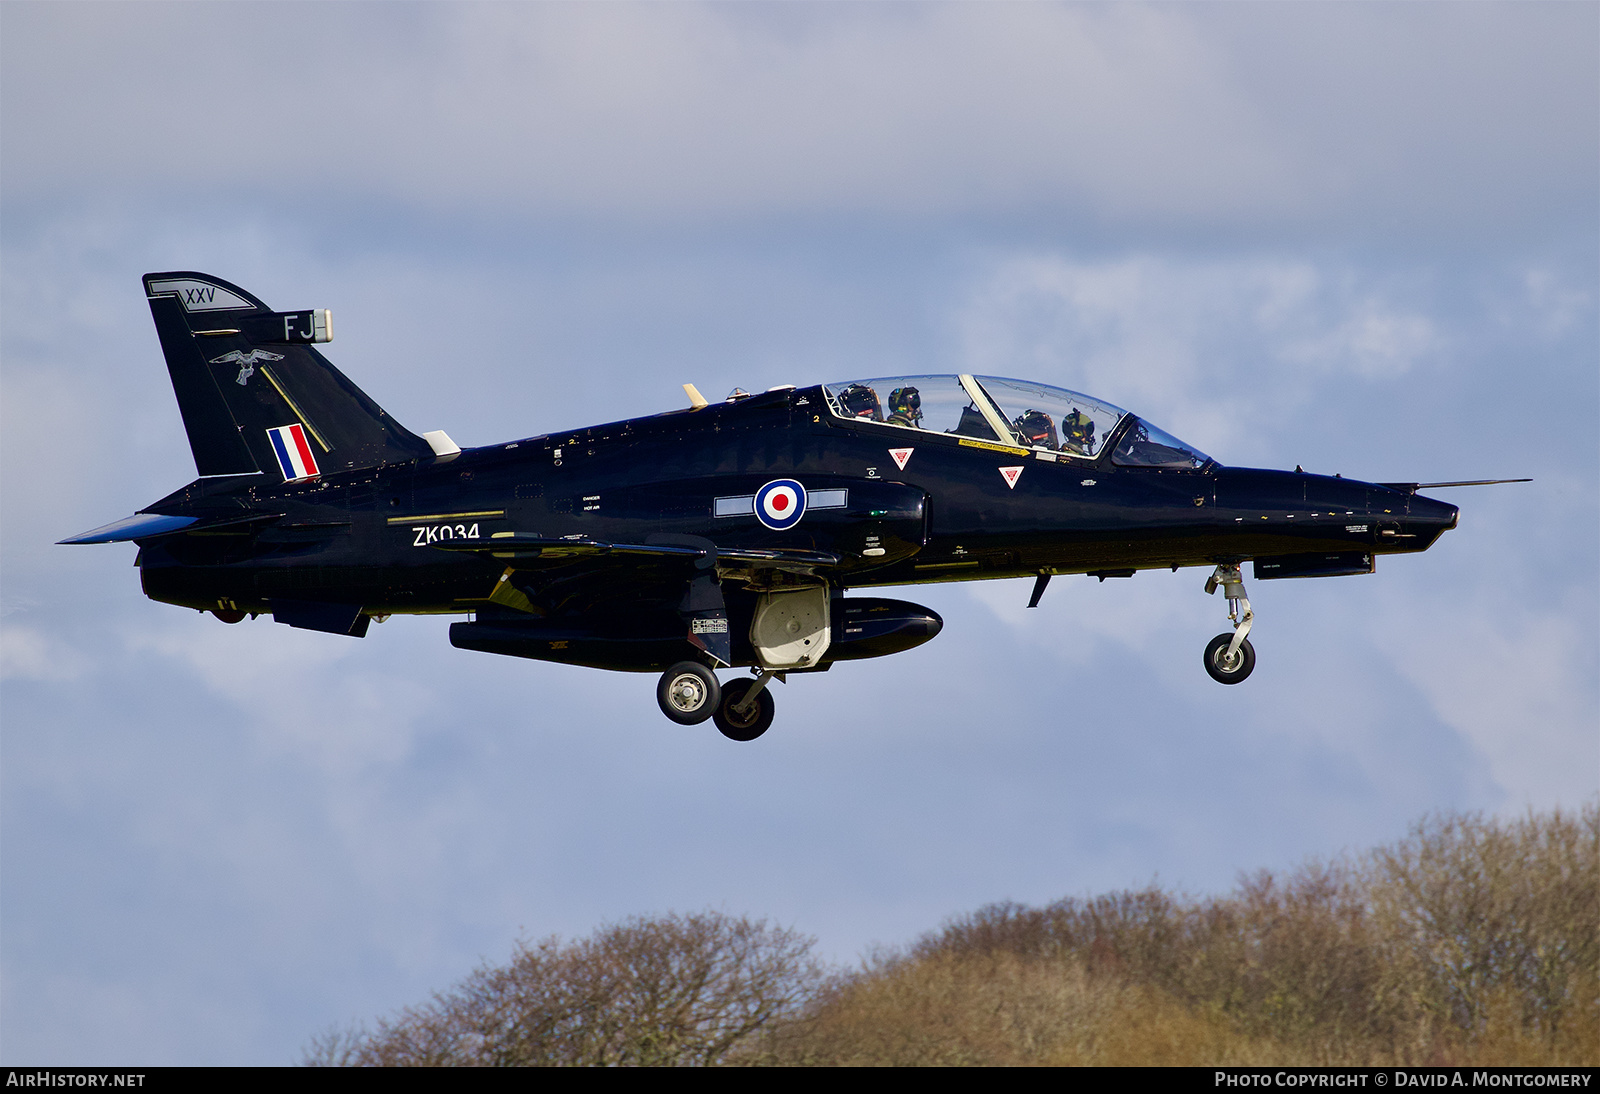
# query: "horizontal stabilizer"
(150, 525)
(138, 526)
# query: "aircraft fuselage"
(377, 537)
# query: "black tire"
(752, 723)
(1244, 661)
(688, 693)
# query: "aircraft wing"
(702, 607)
(524, 547)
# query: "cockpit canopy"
(1019, 412)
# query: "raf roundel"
(780, 504)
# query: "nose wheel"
(1230, 658)
(1226, 667)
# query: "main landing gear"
(747, 708)
(688, 693)
(1230, 658)
(743, 710)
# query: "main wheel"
(749, 724)
(688, 693)
(1226, 670)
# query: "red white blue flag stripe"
(294, 454)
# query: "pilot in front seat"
(860, 401)
(1036, 428)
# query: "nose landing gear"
(1230, 658)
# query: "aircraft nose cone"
(1438, 513)
(1430, 519)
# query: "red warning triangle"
(1011, 475)
(901, 456)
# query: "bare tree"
(1476, 912)
(678, 990)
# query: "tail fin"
(255, 397)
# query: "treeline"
(1472, 941)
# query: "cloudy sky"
(1360, 238)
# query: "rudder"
(256, 398)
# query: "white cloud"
(1557, 306)
(1200, 346)
(1516, 682)
(1373, 341)
(1121, 113)
(1079, 616)
(1519, 685)
(29, 654)
(337, 722)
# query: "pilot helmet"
(1037, 428)
(860, 401)
(906, 403)
(1078, 426)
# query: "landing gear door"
(791, 628)
(707, 615)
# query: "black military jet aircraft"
(718, 536)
